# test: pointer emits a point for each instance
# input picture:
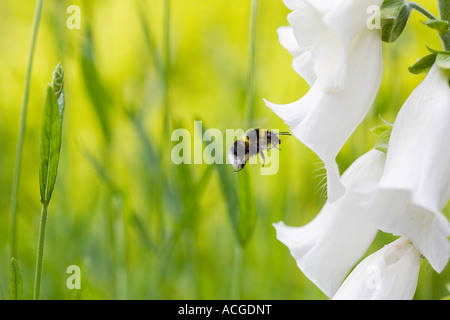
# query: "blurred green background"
(137, 225)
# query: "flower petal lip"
(390, 273)
(292, 4)
(328, 53)
(415, 185)
(324, 121)
(391, 211)
(302, 62)
(327, 28)
(327, 248)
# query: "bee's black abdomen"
(238, 154)
(235, 148)
(257, 140)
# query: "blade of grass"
(156, 175)
(186, 222)
(94, 85)
(236, 272)
(149, 39)
(165, 101)
(143, 233)
(116, 226)
(166, 80)
(250, 108)
(247, 209)
(15, 283)
(22, 127)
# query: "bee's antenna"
(284, 133)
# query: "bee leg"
(240, 168)
(262, 156)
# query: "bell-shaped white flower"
(391, 273)
(346, 61)
(415, 185)
(328, 247)
(302, 62)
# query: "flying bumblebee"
(253, 142)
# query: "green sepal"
(439, 25)
(443, 60)
(379, 130)
(394, 17)
(437, 51)
(384, 134)
(423, 65)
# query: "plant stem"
(422, 10)
(142, 10)
(444, 13)
(165, 81)
(444, 10)
(166, 76)
(251, 63)
(236, 272)
(40, 252)
(23, 120)
(248, 116)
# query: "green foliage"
(238, 191)
(50, 145)
(394, 17)
(15, 281)
(423, 65)
(247, 210)
(438, 25)
(51, 132)
(443, 60)
(384, 134)
(93, 83)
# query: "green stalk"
(236, 272)
(165, 81)
(166, 76)
(422, 10)
(444, 10)
(40, 252)
(23, 120)
(444, 13)
(248, 116)
(251, 63)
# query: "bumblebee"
(253, 142)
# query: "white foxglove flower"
(391, 273)
(333, 39)
(415, 185)
(327, 248)
(302, 62)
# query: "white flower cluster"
(402, 192)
